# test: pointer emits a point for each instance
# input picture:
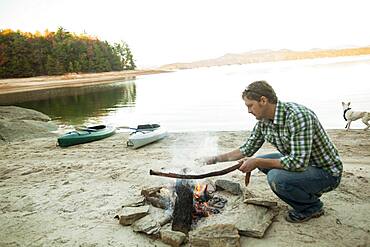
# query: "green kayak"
(89, 134)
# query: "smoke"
(187, 156)
(191, 149)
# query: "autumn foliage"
(56, 53)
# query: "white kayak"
(143, 137)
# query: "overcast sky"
(167, 31)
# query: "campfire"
(187, 202)
(204, 203)
(188, 207)
(192, 203)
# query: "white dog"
(350, 116)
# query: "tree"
(56, 53)
(123, 51)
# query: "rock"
(131, 214)
(261, 202)
(135, 201)
(152, 191)
(249, 194)
(172, 238)
(218, 235)
(232, 187)
(162, 217)
(159, 201)
(146, 225)
(158, 197)
(211, 186)
(18, 113)
(18, 123)
(250, 220)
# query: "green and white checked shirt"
(298, 135)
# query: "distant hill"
(259, 56)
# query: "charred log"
(182, 214)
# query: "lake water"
(210, 98)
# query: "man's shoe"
(295, 217)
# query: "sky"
(168, 31)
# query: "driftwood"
(200, 176)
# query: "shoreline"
(21, 85)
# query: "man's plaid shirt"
(298, 135)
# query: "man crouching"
(307, 163)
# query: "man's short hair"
(257, 89)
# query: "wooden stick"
(200, 176)
(247, 178)
(195, 176)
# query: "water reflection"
(76, 106)
(210, 98)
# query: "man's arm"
(230, 156)
(253, 163)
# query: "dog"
(350, 116)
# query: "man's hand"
(248, 164)
(209, 160)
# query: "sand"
(18, 85)
(52, 196)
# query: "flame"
(201, 207)
(201, 196)
(198, 189)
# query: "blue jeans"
(300, 190)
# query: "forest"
(24, 54)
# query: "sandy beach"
(52, 196)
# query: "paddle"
(126, 127)
(86, 129)
(141, 127)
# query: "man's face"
(256, 108)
